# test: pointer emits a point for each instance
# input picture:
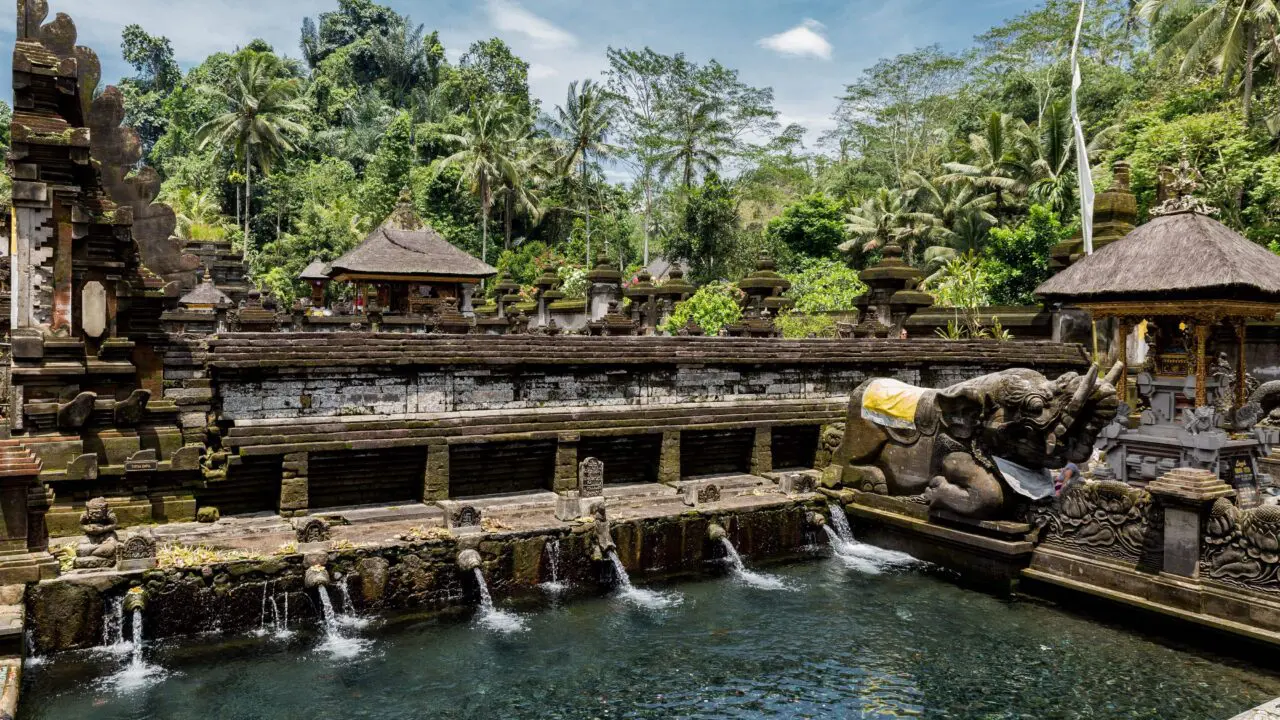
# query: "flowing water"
(349, 617)
(640, 597)
(759, 580)
(337, 644)
(899, 644)
(859, 556)
(553, 586)
(492, 618)
(137, 675)
(113, 641)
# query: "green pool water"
(844, 638)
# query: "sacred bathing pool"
(435, 506)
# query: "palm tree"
(697, 134)
(991, 165)
(583, 126)
(401, 53)
(532, 165)
(954, 215)
(365, 119)
(486, 154)
(1224, 32)
(198, 213)
(884, 217)
(259, 118)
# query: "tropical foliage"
(964, 160)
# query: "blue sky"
(806, 50)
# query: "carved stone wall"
(1242, 547)
(1106, 518)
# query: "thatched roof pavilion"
(1182, 265)
(1183, 257)
(411, 264)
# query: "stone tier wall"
(369, 397)
(67, 613)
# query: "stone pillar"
(1242, 366)
(1187, 495)
(669, 459)
(566, 463)
(435, 481)
(1202, 330)
(762, 451)
(468, 309)
(293, 485)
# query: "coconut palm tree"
(951, 215)
(401, 53)
(696, 135)
(884, 217)
(992, 165)
(582, 125)
(258, 122)
(487, 154)
(1223, 32)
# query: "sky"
(806, 50)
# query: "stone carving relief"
(98, 523)
(1101, 518)
(312, 530)
(1242, 547)
(591, 478)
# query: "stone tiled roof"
(404, 245)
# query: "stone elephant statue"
(972, 448)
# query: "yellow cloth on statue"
(891, 403)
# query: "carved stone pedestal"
(1187, 495)
(24, 555)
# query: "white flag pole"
(1082, 152)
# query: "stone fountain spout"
(316, 576)
(135, 599)
(716, 532)
(603, 537)
(815, 519)
(468, 560)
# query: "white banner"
(1082, 151)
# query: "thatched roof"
(317, 270)
(206, 294)
(1182, 256)
(406, 246)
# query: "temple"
(411, 267)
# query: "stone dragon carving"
(1242, 547)
(943, 447)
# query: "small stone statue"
(98, 523)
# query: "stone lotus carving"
(939, 446)
(1242, 547)
(1102, 518)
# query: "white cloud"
(538, 71)
(509, 16)
(803, 40)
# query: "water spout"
(859, 556)
(761, 581)
(113, 628)
(468, 560)
(316, 576)
(554, 585)
(336, 643)
(716, 532)
(492, 618)
(638, 596)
